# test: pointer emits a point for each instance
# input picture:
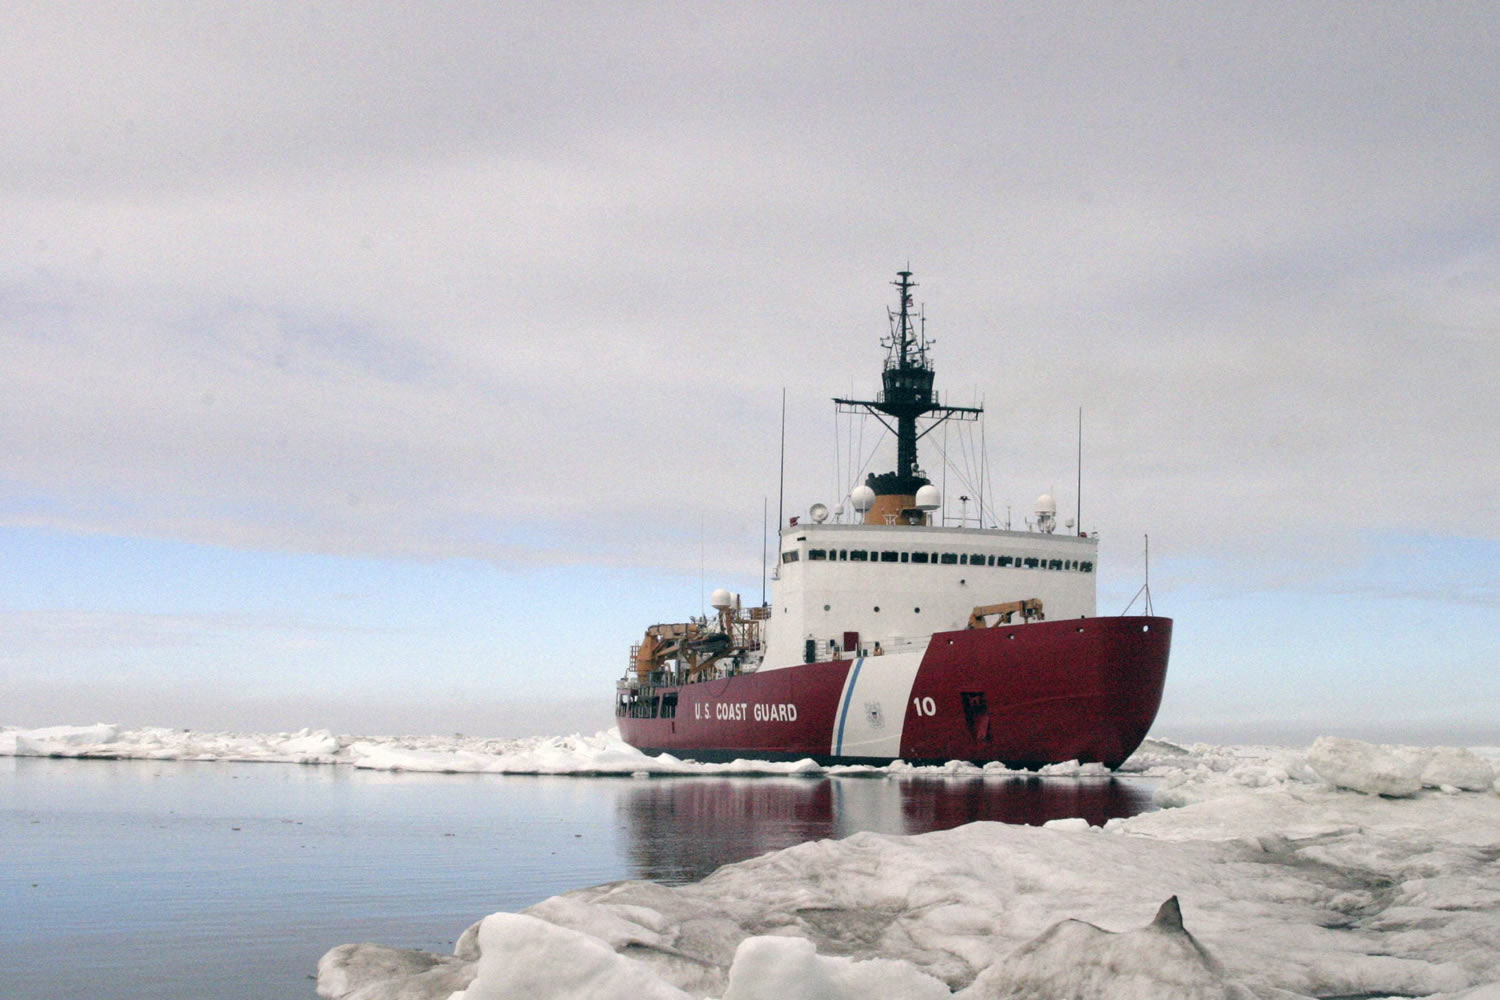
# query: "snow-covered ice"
(602, 754)
(1339, 870)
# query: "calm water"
(200, 881)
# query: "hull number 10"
(924, 706)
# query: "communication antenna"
(1079, 494)
(1145, 587)
(984, 457)
(781, 487)
(765, 534)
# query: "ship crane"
(1029, 610)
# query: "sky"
(389, 367)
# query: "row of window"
(941, 558)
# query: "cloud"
(526, 285)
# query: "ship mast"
(907, 395)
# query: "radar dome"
(863, 498)
(720, 600)
(928, 498)
(1046, 513)
(818, 512)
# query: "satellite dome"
(1046, 513)
(863, 498)
(928, 498)
(720, 600)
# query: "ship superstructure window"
(943, 558)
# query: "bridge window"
(816, 554)
(1005, 560)
(789, 557)
(1030, 562)
(906, 557)
(1055, 564)
(919, 557)
(1087, 567)
(888, 556)
(858, 555)
(948, 559)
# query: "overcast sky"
(389, 367)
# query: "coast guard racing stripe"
(872, 706)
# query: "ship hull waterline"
(1024, 696)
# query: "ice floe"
(601, 754)
(1343, 869)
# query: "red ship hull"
(1025, 696)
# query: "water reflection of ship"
(681, 829)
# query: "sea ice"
(1345, 869)
(1291, 884)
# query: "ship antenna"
(1079, 495)
(907, 392)
(781, 487)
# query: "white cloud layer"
(524, 284)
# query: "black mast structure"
(907, 395)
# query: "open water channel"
(226, 881)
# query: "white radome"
(928, 498)
(863, 498)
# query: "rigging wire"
(1145, 587)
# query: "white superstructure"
(848, 588)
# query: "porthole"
(916, 611)
(826, 607)
(877, 609)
